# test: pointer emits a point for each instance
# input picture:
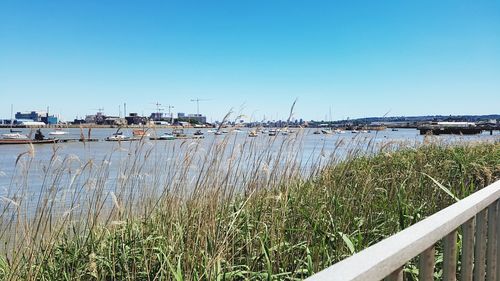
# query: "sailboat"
(12, 120)
(14, 134)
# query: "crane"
(170, 113)
(197, 100)
(158, 109)
(99, 110)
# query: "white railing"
(479, 217)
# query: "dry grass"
(223, 211)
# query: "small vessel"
(394, 130)
(27, 141)
(211, 131)
(140, 133)
(117, 137)
(317, 132)
(327, 131)
(252, 134)
(179, 133)
(273, 132)
(58, 132)
(14, 136)
(198, 133)
(12, 123)
(167, 136)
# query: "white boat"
(117, 137)
(58, 133)
(326, 131)
(167, 136)
(14, 136)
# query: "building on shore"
(192, 118)
(101, 119)
(29, 123)
(38, 116)
(135, 119)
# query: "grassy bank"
(284, 229)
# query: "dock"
(450, 128)
(449, 131)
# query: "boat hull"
(21, 141)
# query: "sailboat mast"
(11, 112)
(330, 121)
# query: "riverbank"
(276, 228)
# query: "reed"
(225, 209)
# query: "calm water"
(305, 145)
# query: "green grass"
(284, 229)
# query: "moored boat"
(140, 133)
(14, 136)
(167, 136)
(58, 132)
(117, 137)
(27, 141)
(179, 133)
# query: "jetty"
(456, 128)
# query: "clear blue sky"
(361, 58)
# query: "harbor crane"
(158, 109)
(99, 110)
(197, 100)
(170, 112)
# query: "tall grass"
(225, 210)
